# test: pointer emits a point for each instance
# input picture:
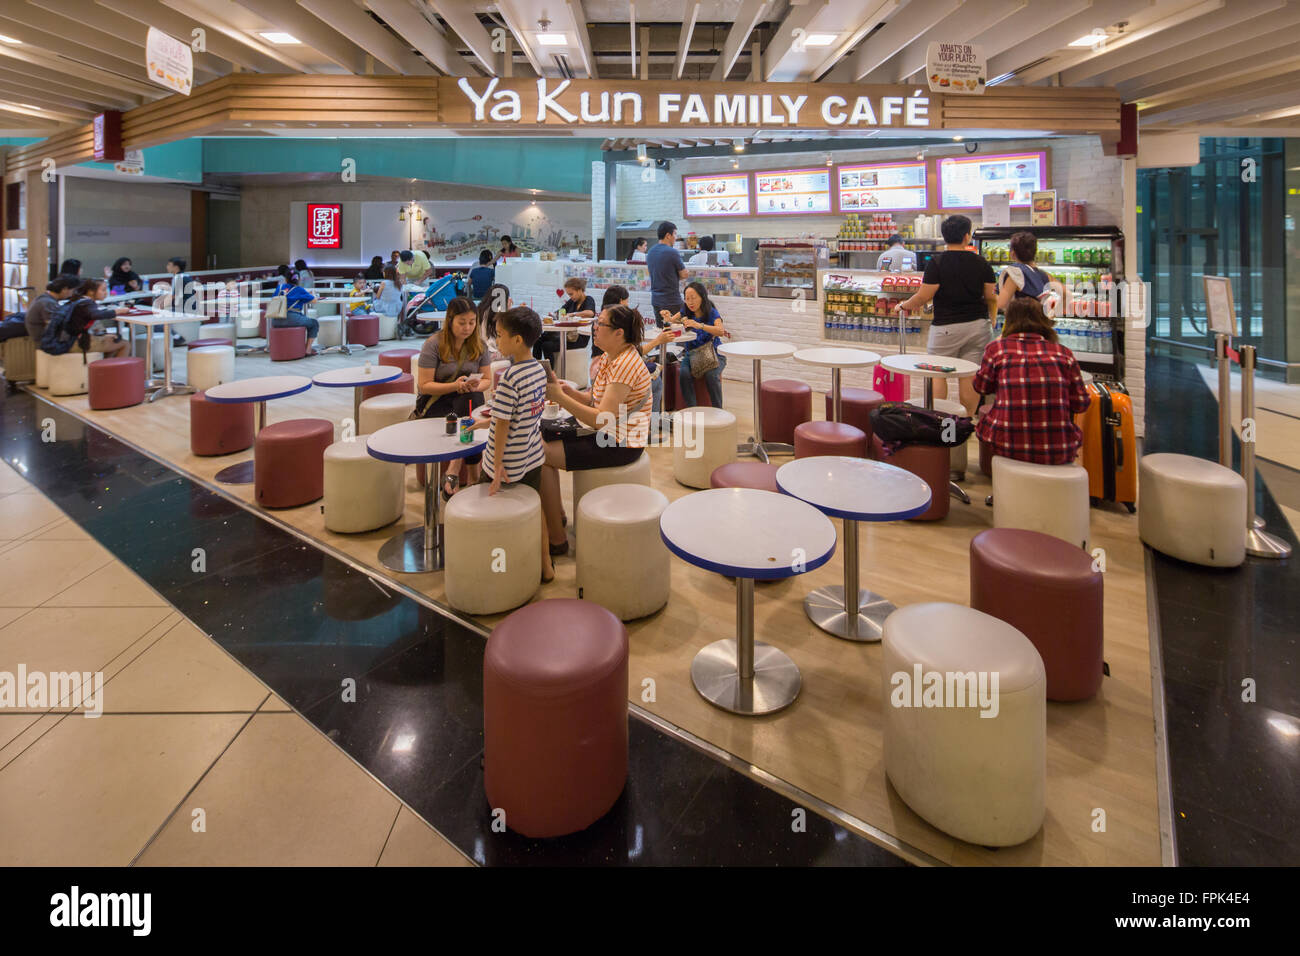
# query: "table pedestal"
(954, 489)
(418, 549)
(742, 676)
(862, 620)
(167, 388)
(246, 471)
(756, 446)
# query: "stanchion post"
(1221, 341)
(1259, 542)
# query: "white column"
(1134, 338)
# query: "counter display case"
(736, 282)
(15, 276)
(859, 307)
(784, 267)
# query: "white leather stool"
(69, 373)
(494, 373)
(577, 363)
(43, 368)
(247, 323)
(493, 548)
(623, 564)
(704, 438)
(387, 409)
(331, 331)
(209, 365)
(213, 330)
(159, 347)
(637, 473)
(387, 327)
(978, 778)
(957, 462)
(1052, 499)
(361, 493)
(1192, 509)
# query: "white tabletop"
(421, 440)
(157, 318)
(837, 357)
(907, 365)
(258, 389)
(356, 376)
(748, 533)
(855, 488)
(339, 298)
(757, 349)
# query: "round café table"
(423, 442)
(756, 351)
(853, 489)
(260, 390)
(749, 535)
(357, 377)
(837, 359)
(961, 368)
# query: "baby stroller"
(424, 310)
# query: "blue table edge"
(257, 398)
(860, 516)
(774, 574)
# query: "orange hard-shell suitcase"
(1109, 445)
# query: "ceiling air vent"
(562, 64)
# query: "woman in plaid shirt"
(1039, 390)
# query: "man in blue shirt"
(666, 272)
(482, 276)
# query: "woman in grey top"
(452, 367)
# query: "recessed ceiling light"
(956, 139)
(820, 39)
(5, 39)
(553, 39)
(30, 106)
(282, 39)
(1092, 39)
(738, 145)
(917, 91)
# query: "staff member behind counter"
(666, 272)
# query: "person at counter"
(578, 305)
(666, 272)
(897, 258)
(638, 252)
(482, 275)
(508, 250)
(701, 316)
(707, 257)
(413, 266)
(962, 285)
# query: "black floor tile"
(1206, 838)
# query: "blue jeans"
(712, 381)
(296, 320)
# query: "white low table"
(756, 351)
(961, 368)
(422, 441)
(748, 534)
(260, 390)
(357, 378)
(853, 489)
(837, 359)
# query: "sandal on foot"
(451, 482)
(559, 549)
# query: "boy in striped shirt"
(514, 449)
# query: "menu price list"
(717, 195)
(963, 183)
(793, 191)
(896, 186)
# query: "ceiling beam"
(29, 73)
(69, 67)
(227, 43)
(1030, 23)
(1057, 36)
(288, 16)
(872, 14)
(970, 19)
(747, 17)
(691, 14)
(782, 43)
(23, 93)
(464, 22)
(201, 11)
(1232, 100)
(1248, 52)
(913, 20)
(515, 22)
(583, 36)
(1210, 81)
(410, 24)
(350, 20)
(40, 39)
(631, 22)
(124, 28)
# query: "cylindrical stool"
(986, 457)
(399, 358)
(383, 410)
(856, 406)
(637, 473)
(623, 563)
(249, 324)
(1192, 509)
(965, 727)
(208, 343)
(403, 384)
(363, 330)
(223, 332)
(746, 474)
(361, 493)
(555, 716)
(209, 366)
(1046, 589)
(330, 331)
(493, 548)
(69, 373)
(785, 404)
(1052, 499)
(220, 428)
(829, 438)
(287, 343)
(704, 438)
(290, 462)
(116, 382)
(43, 368)
(387, 326)
(957, 460)
(930, 463)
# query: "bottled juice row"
(1079, 335)
(1074, 254)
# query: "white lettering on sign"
(695, 110)
(584, 108)
(668, 103)
(837, 103)
(793, 106)
(730, 110)
(546, 101)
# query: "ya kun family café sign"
(517, 103)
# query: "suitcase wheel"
(1094, 502)
(1132, 508)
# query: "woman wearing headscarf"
(122, 278)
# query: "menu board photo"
(788, 192)
(716, 195)
(965, 181)
(883, 186)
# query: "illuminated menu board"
(964, 182)
(883, 186)
(789, 192)
(716, 195)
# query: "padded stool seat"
(43, 368)
(856, 406)
(930, 463)
(220, 428)
(829, 438)
(19, 358)
(968, 755)
(704, 439)
(637, 473)
(957, 459)
(287, 344)
(1192, 509)
(207, 343)
(555, 716)
(249, 324)
(746, 474)
(330, 331)
(1047, 589)
(623, 563)
(1052, 499)
(116, 382)
(223, 332)
(69, 373)
(785, 404)
(493, 548)
(383, 410)
(387, 325)
(290, 462)
(403, 384)
(399, 358)
(209, 366)
(363, 330)
(361, 492)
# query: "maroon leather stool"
(115, 382)
(856, 406)
(201, 343)
(404, 383)
(363, 330)
(398, 358)
(785, 404)
(828, 438)
(287, 344)
(289, 461)
(220, 428)
(1047, 589)
(928, 462)
(261, 324)
(745, 474)
(555, 716)
(986, 458)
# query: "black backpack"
(908, 424)
(59, 336)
